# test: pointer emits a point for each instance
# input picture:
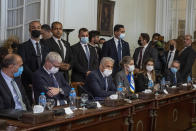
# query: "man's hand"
(53, 91)
(88, 72)
(64, 66)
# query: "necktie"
(119, 51)
(17, 91)
(62, 49)
(38, 55)
(106, 83)
(140, 58)
(55, 82)
(175, 79)
(87, 53)
(169, 59)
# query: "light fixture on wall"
(67, 32)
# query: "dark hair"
(8, 60)
(45, 27)
(3, 53)
(117, 27)
(101, 39)
(145, 36)
(145, 71)
(83, 30)
(155, 34)
(126, 60)
(54, 23)
(92, 34)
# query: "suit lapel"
(101, 78)
(32, 48)
(82, 51)
(114, 46)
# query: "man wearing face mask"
(144, 52)
(172, 74)
(116, 48)
(48, 79)
(33, 53)
(84, 56)
(186, 57)
(99, 82)
(172, 54)
(12, 93)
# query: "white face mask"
(53, 70)
(149, 68)
(107, 72)
(131, 68)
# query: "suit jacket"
(95, 84)
(109, 50)
(149, 53)
(169, 76)
(6, 98)
(28, 54)
(80, 66)
(53, 46)
(121, 77)
(42, 81)
(141, 82)
(98, 52)
(186, 58)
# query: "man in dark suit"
(172, 74)
(84, 57)
(144, 52)
(99, 82)
(172, 54)
(116, 48)
(47, 79)
(57, 44)
(33, 53)
(94, 41)
(186, 57)
(12, 93)
(46, 32)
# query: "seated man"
(99, 82)
(49, 80)
(172, 74)
(12, 94)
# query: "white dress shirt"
(64, 48)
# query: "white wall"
(137, 16)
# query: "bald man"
(12, 94)
(33, 53)
(186, 57)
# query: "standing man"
(46, 32)
(116, 48)
(33, 53)
(85, 59)
(144, 52)
(186, 57)
(94, 42)
(57, 44)
(12, 93)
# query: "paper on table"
(98, 104)
(68, 111)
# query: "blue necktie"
(87, 53)
(175, 79)
(106, 83)
(119, 51)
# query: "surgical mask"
(19, 72)
(139, 42)
(84, 40)
(149, 68)
(173, 70)
(35, 33)
(122, 35)
(107, 72)
(171, 47)
(131, 68)
(53, 70)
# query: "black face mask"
(171, 47)
(35, 33)
(139, 42)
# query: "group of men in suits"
(46, 63)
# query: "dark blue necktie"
(175, 79)
(119, 51)
(54, 81)
(106, 83)
(87, 53)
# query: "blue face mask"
(122, 35)
(84, 40)
(173, 70)
(19, 72)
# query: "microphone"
(81, 87)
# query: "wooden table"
(165, 112)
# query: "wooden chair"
(75, 86)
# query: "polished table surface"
(153, 114)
